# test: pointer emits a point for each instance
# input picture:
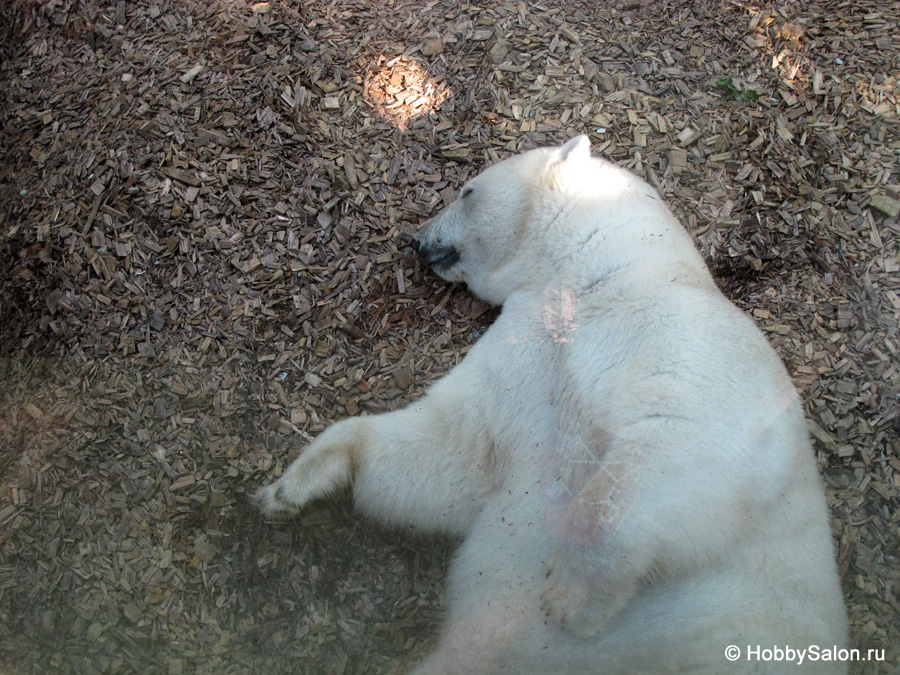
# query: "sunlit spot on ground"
(781, 41)
(399, 89)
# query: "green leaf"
(730, 92)
(726, 85)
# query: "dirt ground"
(204, 220)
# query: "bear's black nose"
(443, 256)
(415, 244)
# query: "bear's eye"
(466, 192)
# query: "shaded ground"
(203, 216)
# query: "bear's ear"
(568, 163)
(579, 148)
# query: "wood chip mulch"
(204, 217)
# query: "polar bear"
(622, 453)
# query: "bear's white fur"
(622, 452)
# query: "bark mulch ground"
(204, 217)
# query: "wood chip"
(887, 205)
(192, 73)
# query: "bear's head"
(492, 237)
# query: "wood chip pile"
(204, 217)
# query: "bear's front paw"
(272, 500)
(322, 469)
(567, 605)
(580, 604)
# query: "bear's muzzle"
(436, 256)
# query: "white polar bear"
(622, 452)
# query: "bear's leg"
(582, 596)
(645, 518)
(494, 623)
(430, 465)
(323, 468)
(602, 551)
